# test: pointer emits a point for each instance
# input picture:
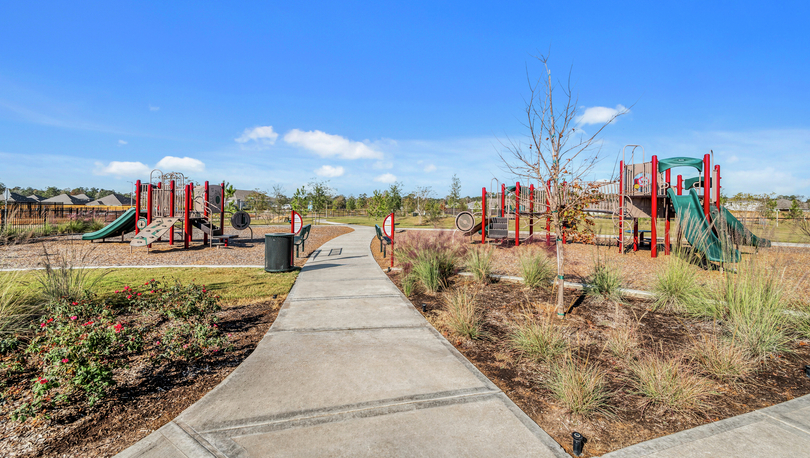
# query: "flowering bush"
(79, 344)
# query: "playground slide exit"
(123, 224)
(697, 229)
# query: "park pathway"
(350, 368)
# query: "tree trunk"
(560, 277)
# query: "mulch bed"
(777, 379)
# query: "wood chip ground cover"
(591, 323)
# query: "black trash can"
(278, 251)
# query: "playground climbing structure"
(643, 189)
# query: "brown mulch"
(631, 421)
(243, 250)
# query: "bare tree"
(557, 158)
(423, 195)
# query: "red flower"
(43, 325)
(203, 290)
(89, 323)
(129, 296)
(118, 327)
(146, 284)
(64, 360)
(50, 319)
(153, 291)
(116, 291)
(74, 303)
(74, 317)
(139, 294)
(43, 381)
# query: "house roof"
(14, 197)
(82, 197)
(113, 200)
(65, 199)
(242, 194)
(36, 197)
(784, 204)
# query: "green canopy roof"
(666, 164)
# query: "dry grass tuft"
(722, 359)
(670, 384)
(581, 388)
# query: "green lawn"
(234, 285)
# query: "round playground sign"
(141, 224)
(465, 221)
(240, 220)
(297, 222)
(388, 225)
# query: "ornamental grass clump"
(622, 341)
(722, 359)
(17, 307)
(676, 287)
(479, 263)
(669, 384)
(581, 388)
(64, 276)
(538, 339)
(536, 268)
(605, 282)
(462, 314)
(430, 258)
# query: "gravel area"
(243, 250)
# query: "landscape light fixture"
(578, 443)
(424, 310)
(807, 370)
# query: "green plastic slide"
(697, 230)
(736, 230)
(123, 224)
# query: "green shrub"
(74, 226)
(479, 263)
(582, 389)
(462, 314)
(409, 283)
(536, 269)
(430, 258)
(541, 340)
(669, 384)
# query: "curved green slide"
(123, 224)
(737, 231)
(697, 229)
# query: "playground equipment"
(123, 224)
(643, 190)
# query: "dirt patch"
(591, 321)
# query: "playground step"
(203, 225)
(154, 231)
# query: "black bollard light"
(275, 296)
(807, 370)
(424, 308)
(578, 442)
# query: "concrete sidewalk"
(349, 368)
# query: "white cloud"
(122, 169)
(386, 178)
(327, 145)
(180, 164)
(329, 171)
(430, 168)
(153, 108)
(383, 165)
(599, 115)
(262, 135)
(122, 142)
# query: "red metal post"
(707, 195)
(635, 234)
(668, 177)
(393, 229)
(517, 213)
(171, 210)
(149, 209)
(654, 209)
(717, 185)
(137, 204)
(558, 213)
(483, 215)
(531, 209)
(205, 212)
(292, 221)
(190, 209)
(680, 185)
(157, 204)
(187, 216)
(621, 207)
(503, 200)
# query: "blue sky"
(264, 94)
